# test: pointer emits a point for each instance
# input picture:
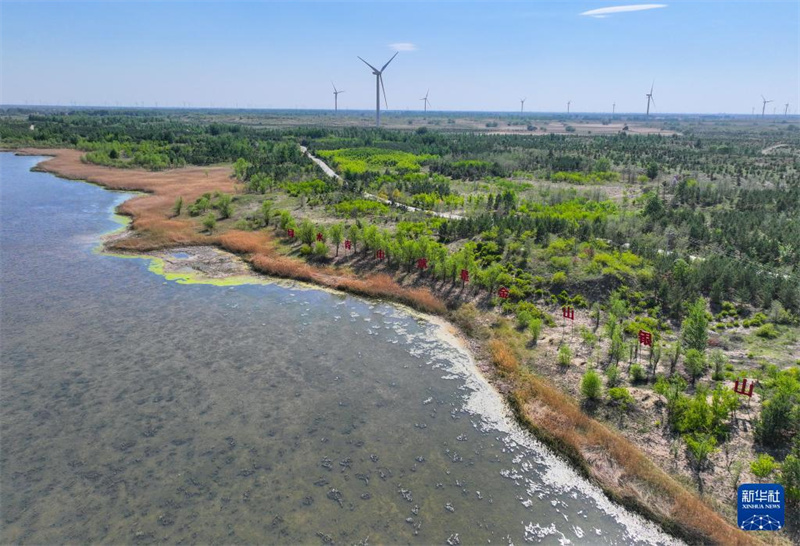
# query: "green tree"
(652, 170)
(307, 232)
(612, 375)
(700, 446)
(178, 206)
(535, 327)
(266, 211)
(354, 234)
(210, 222)
(637, 373)
(337, 235)
(225, 205)
(591, 385)
(695, 364)
(763, 466)
(240, 168)
(320, 249)
(694, 329)
(790, 475)
(564, 356)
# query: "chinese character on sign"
(568, 312)
(645, 338)
(290, 233)
(761, 507)
(422, 263)
(742, 389)
(464, 275)
(319, 236)
(380, 254)
(503, 292)
(348, 245)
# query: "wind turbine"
(522, 104)
(378, 87)
(613, 108)
(786, 109)
(336, 97)
(650, 97)
(764, 104)
(425, 98)
(568, 103)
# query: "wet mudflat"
(137, 410)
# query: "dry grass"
(622, 469)
(607, 456)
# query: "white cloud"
(602, 13)
(403, 46)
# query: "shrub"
(695, 364)
(320, 249)
(637, 373)
(178, 206)
(612, 374)
(564, 356)
(767, 331)
(305, 250)
(621, 396)
(591, 385)
(210, 222)
(790, 476)
(700, 447)
(535, 327)
(763, 466)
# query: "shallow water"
(136, 410)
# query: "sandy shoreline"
(153, 233)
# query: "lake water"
(136, 410)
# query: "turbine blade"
(369, 65)
(380, 77)
(427, 93)
(390, 60)
(334, 88)
(651, 86)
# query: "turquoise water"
(136, 410)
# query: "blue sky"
(707, 57)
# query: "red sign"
(290, 233)
(319, 236)
(743, 389)
(380, 254)
(568, 312)
(503, 292)
(464, 275)
(645, 338)
(422, 263)
(348, 244)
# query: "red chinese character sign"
(348, 244)
(464, 275)
(422, 263)
(568, 312)
(503, 292)
(645, 338)
(319, 236)
(380, 254)
(290, 233)
(743, 388)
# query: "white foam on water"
(556, 479)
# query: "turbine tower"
(650, 97)
(568, 103)
(522, 104)
(786, 109)
(764, 104)
(425, 98)
(378, 87)
(336, 97)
